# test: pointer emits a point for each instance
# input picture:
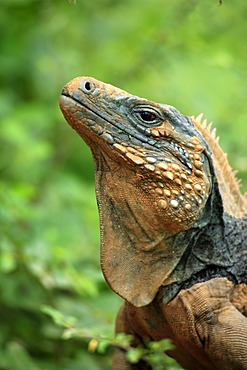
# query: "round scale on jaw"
(198, 188)
(174, 203)
(199, 148)
(136, 159)
(162, 166)
(97, 130)
(108, 137)
(150, 159)
(168, 175)
(120, 148)
(187, 206)
(198, 164)
(188, 187)
(183, 177)
(175, 167)
(198, 173)
(159, 191)
(196, 156)
(132, 150)
(162, 204)
(178, 181)
(167, 193)
(149, 167)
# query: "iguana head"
(153, 179)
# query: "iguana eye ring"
(147, 116)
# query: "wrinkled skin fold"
(211, 317)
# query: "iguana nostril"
(86, 86)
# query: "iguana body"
(173, 225)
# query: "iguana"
(173, 225)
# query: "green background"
(190, 54)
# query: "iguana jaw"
(151, 183)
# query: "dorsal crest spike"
(199, 117)
(209, 127)
(234, 202)
(213, 133)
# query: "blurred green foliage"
(190, 54)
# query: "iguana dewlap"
(173, 225)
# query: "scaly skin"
(173, 225)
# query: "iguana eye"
(147, 116)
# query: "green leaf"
(58, 317)
(135, 354)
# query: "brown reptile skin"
(173, 224)
(207, 323)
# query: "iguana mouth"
(116, 134)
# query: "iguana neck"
(213, 251)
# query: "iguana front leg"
(149, 323)
(207, 323)
(210, 319)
